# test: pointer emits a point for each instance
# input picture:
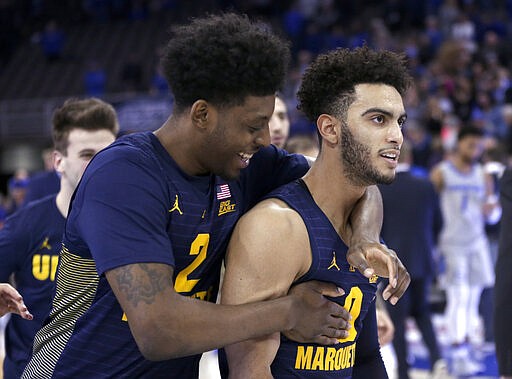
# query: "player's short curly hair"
(223, 59)
(328, 84)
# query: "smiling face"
(372, 134)
(237, 133)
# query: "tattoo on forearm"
(140, 287)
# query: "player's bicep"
(260, 262)
(260, 266)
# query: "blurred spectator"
(279, 124)
(52, 40)
(461, 98)
(453, 57)
(17, 189)
(422, 151)
(313, 39)
(448, 13)
(294, 24)
(305, 144)
(336, 38)
(158, 85)
(381, 38)
(132, 74)
(434, 113)
(432, 38)
(463, 30)
(493, 47)
(486, 115)
(44, 182)
(95, 79)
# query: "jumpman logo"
(45, 245)
(176, 206)
(333, 262)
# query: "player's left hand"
(372, 258)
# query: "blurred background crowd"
(459, 53)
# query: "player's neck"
(333, 193)
(177, 140)
(63, 199)
(461, 164)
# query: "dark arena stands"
(459, 53)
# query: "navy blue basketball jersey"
(329, 264)
(134, 205)
(29, 248)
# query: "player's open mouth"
(245, 157)
(392, 156)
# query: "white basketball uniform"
(463, 241)
(465, 248)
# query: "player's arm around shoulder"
(145, 293)
(269, 250)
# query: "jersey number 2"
(199, 247)
(183, 284)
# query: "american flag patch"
(223, 192)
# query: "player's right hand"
(318, 319)
(11, 301)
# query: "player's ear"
(328, 128)
(201, 113)
(57, 161)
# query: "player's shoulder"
(271, 206)
(129, 147)
(137, 155)
(38, 206)
(273, 216)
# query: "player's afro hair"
(223, 59)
